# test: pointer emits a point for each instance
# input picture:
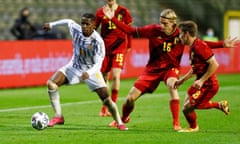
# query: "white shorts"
(73, 75)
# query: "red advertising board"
(31, 63)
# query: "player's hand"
(198, 84)
(178, 83)
(85, 76)
(231, 42)
(109, 13)
(46, 27)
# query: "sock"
(126, 110)
(104, 109)
(208, 105)
(175, 110)
(191, 118)
(55, 102)
(114, 95)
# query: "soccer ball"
(39, 120)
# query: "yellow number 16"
(111, 25)
(167, 46)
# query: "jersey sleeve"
(145, 31)
(124, 27)
(129, 21)
(214, 45)
(128, 18)
(62, 22)
(65, 22)
(98, 18)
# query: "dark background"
(207, 13)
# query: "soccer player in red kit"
(204, 66)
(165, 50)
(116, 43)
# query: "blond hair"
(169, 14)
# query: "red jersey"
(199, 54)
(165, 51)
(113, 37)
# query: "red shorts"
(148, 82)
(113, 61)
(202, 96)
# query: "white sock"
(55, 102)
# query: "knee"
(171, 82)
(116, 73)
(52, 85)
(116, 77)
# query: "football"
(39, 120)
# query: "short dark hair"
(189, 26)
(89, 16)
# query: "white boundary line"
(98, 101)
(70, 104)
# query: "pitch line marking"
(98, 101)
(68, 104)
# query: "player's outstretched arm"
(227, 43)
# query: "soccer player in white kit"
(88, 54)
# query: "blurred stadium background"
(207, 13)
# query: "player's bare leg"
(112, 107)
(114, 90)
(128, 105)
(104, 110)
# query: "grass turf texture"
(150, 121)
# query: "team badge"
(90, 47)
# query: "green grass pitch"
(150, 121)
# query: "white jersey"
(88, 55)
(88, 52)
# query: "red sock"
(208, 105)
(104, 109)
(175, 110)
(126, 110)
(114, 95)
(191, 118)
